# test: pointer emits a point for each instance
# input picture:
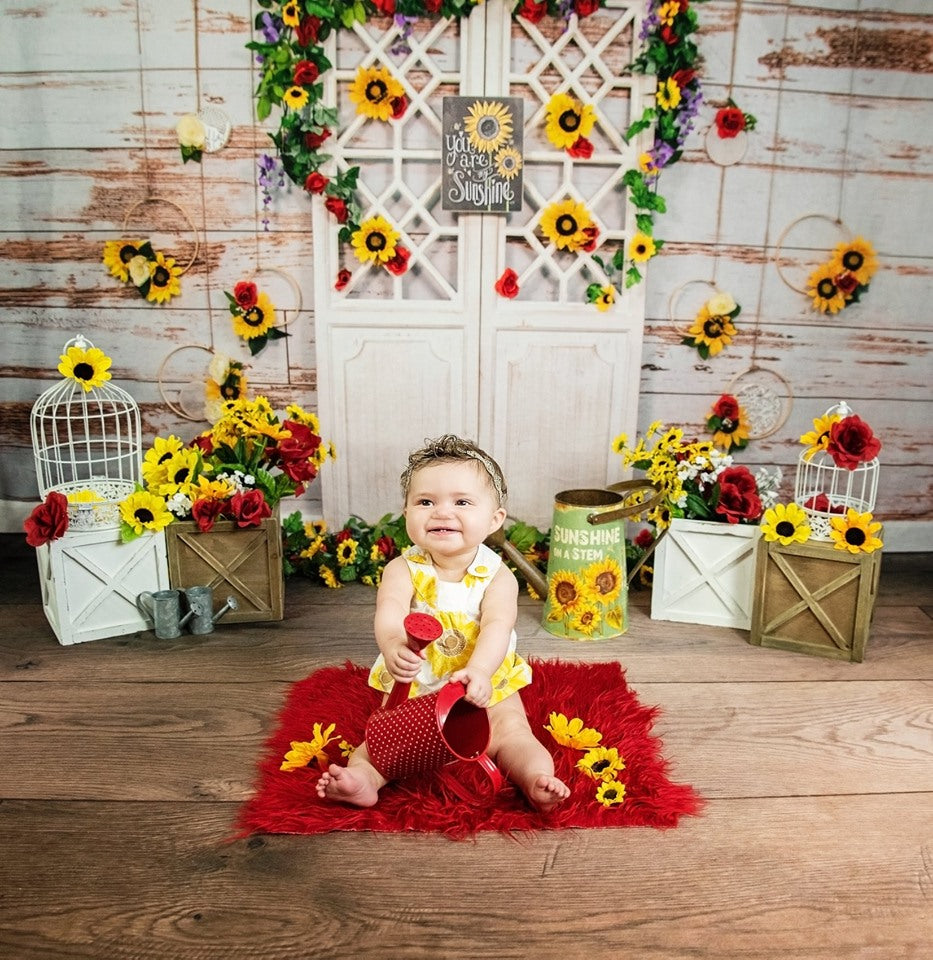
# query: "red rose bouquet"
(48, 521)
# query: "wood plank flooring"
(123, 763)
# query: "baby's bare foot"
(547, 792)
(347, 785)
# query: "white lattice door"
(543, 381)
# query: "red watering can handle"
(421, 629)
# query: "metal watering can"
(587, 585)
(416, 735)
(163, 608)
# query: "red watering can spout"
(421, 629)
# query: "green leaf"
(644, 222)
(256, 344)
(274, 333)
(127, 533)
(632, 276)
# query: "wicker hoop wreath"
(296, 290)
(177, 406)
(783, 237)
(185, 216)
(674, 299)
(766, 404)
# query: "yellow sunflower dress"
(457, 607)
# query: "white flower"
(190, 132)
(219, 368)
(138, 269)
(179, 504)
(721, 305)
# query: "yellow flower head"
(300, 415)
(291, 13)
(373, 91)
(157, 456)
(375, 240)
(714, 330)
(145, 511)
(572, 733)
(508, 163)
(304, 752)
(668, 95)
(818, 438)
(86, 366)
(295, 97)
(610, 792)
(346, 552)
(601, 763)
(606, 298)
(568, 120)
(564, 224)
(256, 320)
(206, 489)
(330, 578)
(117, 256)
(566, 592)
(641, 248)
(181, 473)
(821, 286)
(786, 523)
(855, 532)
(604, 580)
(586, 619)
(164, 276)
(856, 257)
(488, 125)
(84, 496)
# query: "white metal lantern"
(87, 446)
(825, 490)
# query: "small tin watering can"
(416, 735)
(587, 595)
(163, 608)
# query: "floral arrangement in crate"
(699, 481)
(238, 470)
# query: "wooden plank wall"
(842, 89)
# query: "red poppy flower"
(507, 284)
(684, 77)
(386, 546)
(644, 539)
(592, 232)
(726, 406)
(48, 521)
(846, 282)
(399, 106)
(245, 294)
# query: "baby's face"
(451, 507)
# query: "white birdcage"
(87, 444)
(825, 490)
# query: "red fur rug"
(285, 801)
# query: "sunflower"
(508, 163)
(641, 248)
(291, 13)
(346, 552)
(714, 331)
(855, 532)
(566, 593)
(611, 792)
(85, 365)
(375, 240)
(489, 126)
(330, 578)
(732, 432)
(586, 620)
(572, 733)
(822, 287)
(568, 120)
(161, 451)
(315, 528)
(601, 763)
(668, 94)
(564, 224)
(163, 279)
(303, 752)
(646, 575)
(818, 438)
(255, 321)
(450, 650)
(858, 258)
(786, 523)
(373, 91)
(145, 511)
(84, 496)
(295, 97)
(606, 298)
(300, 415)
(117, 255)
(661, 516)
(181, 473)
(206, 489)
(604, 580)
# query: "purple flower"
(270, 28)
(661, 154)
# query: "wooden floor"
(123, 763)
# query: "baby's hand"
(478, 685)
(403, 663)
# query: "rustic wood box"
(245, 563)
(812, 598)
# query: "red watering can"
(419, 734)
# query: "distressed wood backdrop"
(90, 94)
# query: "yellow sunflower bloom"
(164, 276)
(731, 432)
(330, 578)
(606, 298)
(84, 496)
(117, 256)
(858, 258)
(646, 575)
(821, 286)
(346, 748)
(508, 163)
(315, 546)
(604, 580)
(375, 240)
(291, 13)
(315, 528)
(161, 451)
(425, 587)
(641, 248)
(86, 366)
(346, 552)
(489, 126)
(566, 592)
(145, 511)
(572, 733)
(304, 752)
(181, 473)
(255, 321)
(715, 331)
(451, 649)
(667, 12)
(300, 415)
(564, 224)
(373, 91)
(601, 763)
(786, 523)
(610, 793)
(586, 620)
(295, 97)
(668, 94)
(818, 438)
(855, 532)
(207, 489)
(568, 120)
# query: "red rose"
(507, 284)
(726, 407)
(204, 443)
(386, 7)
(730, 122)
(245, 294)
(301, 444)
(583, 8)
(852, 442)
(342, 535)
(684, 77)
(338, 208)
(205, 512)
(399, 106)
(581, 148)
(820, 503)
(399, 263)
(313, 141)
(386, 546)
(306, 72)
(644, 539)
(433, 6)
(533, 12)
(249, 509)
(343, 278)
(307, 31)
(669, 37)
(316, 182)
(592, 233)
(738, 495)
(846, 282)
(48, 521)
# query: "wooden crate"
(812, 598)
(245, 563)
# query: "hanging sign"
(482, 154)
